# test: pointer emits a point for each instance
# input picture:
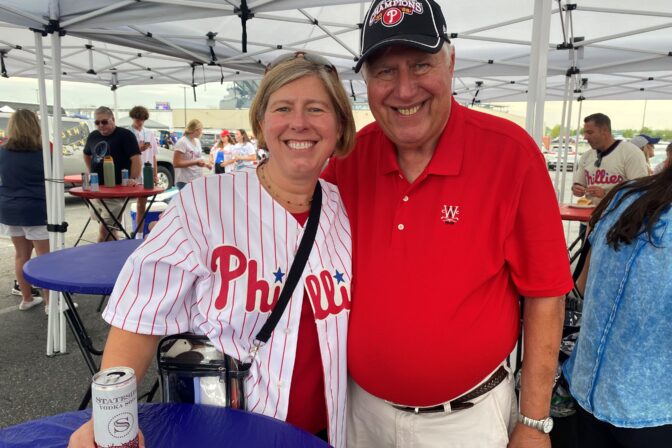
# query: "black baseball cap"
(415, 23)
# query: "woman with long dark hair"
(619, 371)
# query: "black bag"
(192, 370)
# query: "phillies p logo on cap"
(415, 23)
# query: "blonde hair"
(291, 70)
(193, 126)
(24, 132)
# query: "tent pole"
(57, 167)
(53, 341)
(563, 125)
(541, 29)
(564, 144)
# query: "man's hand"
(578, 190)
(526, 437)
(596, 191)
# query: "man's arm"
(136, 167)
(542, 325)
(87, 162)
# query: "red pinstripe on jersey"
(170, 285)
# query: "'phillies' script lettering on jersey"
(601, 176)
(328, 294)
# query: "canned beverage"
(114, 400)
(85, 182)
(124, 177)
(93, 181)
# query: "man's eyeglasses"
(310, 57)
(101, 122)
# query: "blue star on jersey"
(339, 277)
(278, 275)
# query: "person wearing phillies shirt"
(453, 217)
(609, 163)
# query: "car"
(73, 137)
(552, 158)
(208, 139)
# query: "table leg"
(116, 218)
(81, 335)
(100, 217)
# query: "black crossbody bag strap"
(295, 271)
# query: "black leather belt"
(462, 402)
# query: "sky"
(655, 114)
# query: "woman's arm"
(180, 162)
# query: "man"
(149, 148)
(646, 145)
(120, 143)
(453, 216)
(609, 163)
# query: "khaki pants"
(372, 422)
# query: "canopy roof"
(624, 54)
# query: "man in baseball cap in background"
(453, 218)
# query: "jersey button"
(281, 384)
(400, 227)
(405, 199)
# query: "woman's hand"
(83, 437)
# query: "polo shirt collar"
(449, 152)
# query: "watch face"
(547, 425)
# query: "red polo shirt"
(439, 263)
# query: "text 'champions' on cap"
(415, 23)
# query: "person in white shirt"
(609, 162)
(188, 156)
(245, 151)
(221, 154)
(149, 148)
(665, 163)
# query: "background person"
(149, 148)
(645, 143)
(23, 204)
(453, 217)
(299, 103)
(188, 155)
(665, 163)
(221, 155)
(609, 162)
(245, 151)
(618, 372)
(111, 140)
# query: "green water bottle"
(148, 176)
(109, 179)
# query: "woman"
(23, 204)
(188, 155)
(619, 371)
(245, 152)
(302, 115)
(149, 149)
(221, 154)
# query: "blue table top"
(90, 269)
(171, 426)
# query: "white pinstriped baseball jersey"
(214, 265)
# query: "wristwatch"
(544, 425)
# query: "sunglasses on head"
(103, 122)
(310, 57)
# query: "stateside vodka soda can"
(93, 181)
(124, 177)
(114, 399)
(85, 182)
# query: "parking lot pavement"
(33, 385)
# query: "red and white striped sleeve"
(154, 291)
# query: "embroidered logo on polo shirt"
(449, 214)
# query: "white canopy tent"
(506, 51)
